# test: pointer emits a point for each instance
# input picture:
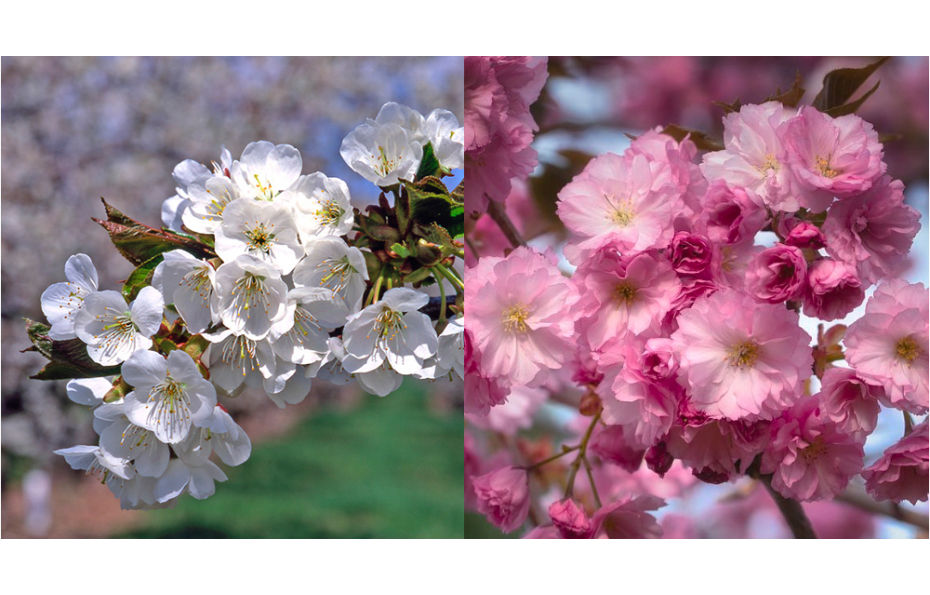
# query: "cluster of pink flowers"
(679, 323)
(498, 125)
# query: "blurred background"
(589, 106)
(341, 464)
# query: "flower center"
(514, 319)
(814, 450)
(170, 407)
(264, 189)
(329, 212)
(389, 323)
(119, 330)
(625, 293)
(384, 164)
(248, 293)
(337, 276)
(907, 349)
(261, 237)
(823, 166)
(304, 322)
(239, 354)
(769, 165)
(744, 355)
(198, 281)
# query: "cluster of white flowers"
(287, 299)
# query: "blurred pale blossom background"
(76, 129)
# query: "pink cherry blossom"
(901, 472)
(520, 315)
(740, 358)
(777, 274)
(888, 346)
(620, 296)
(833, 289)
(831, 156)
(810, 457)
(755, 157)
(624, 201)
(609, 443)
(503, 497)
(849, 401)
(873, 231)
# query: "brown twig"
(497, 213)
(856, 497)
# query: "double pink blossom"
(739, 358)
(503, 497)
(873, 231)
(809, 456)
(520, 315)
(777, 274)
(888, 346)
(833, 289)
(901, 472)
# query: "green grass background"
(390, 468)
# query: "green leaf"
(140, 277)
(429, 165)
(138, 242)
(431, 202)
(852, 106)
(67, 359)
(417, 275)
(400, 250)
(701, 140)
(839, 85)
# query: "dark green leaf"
(729, 107)
(792, 96)
(429, 165)
(140, 277)
(138, 242)
(68, 359)
(852, 106)
(839, 85)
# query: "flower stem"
(791, 509)
(564, 452)
(451, 276)
(375, 292)
(908, 423)
(576, 464)
(859, 499)
(442, 303)
(587, 470)
(497, 213)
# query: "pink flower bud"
(691, 254)
(777, 274)
(805, 235)
(570, 519)
(833, 290)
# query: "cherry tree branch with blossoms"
(266, 278)
(673, 299)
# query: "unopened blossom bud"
(777, 274)
(658, 459)
(805, 235)
(690, 253)
(503, 497)
(833, 290)
(570, 519)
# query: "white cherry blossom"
(113, 330)
(260, 229)
(251, 296)
(333, 264)
(62, 301)
(187, 282)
